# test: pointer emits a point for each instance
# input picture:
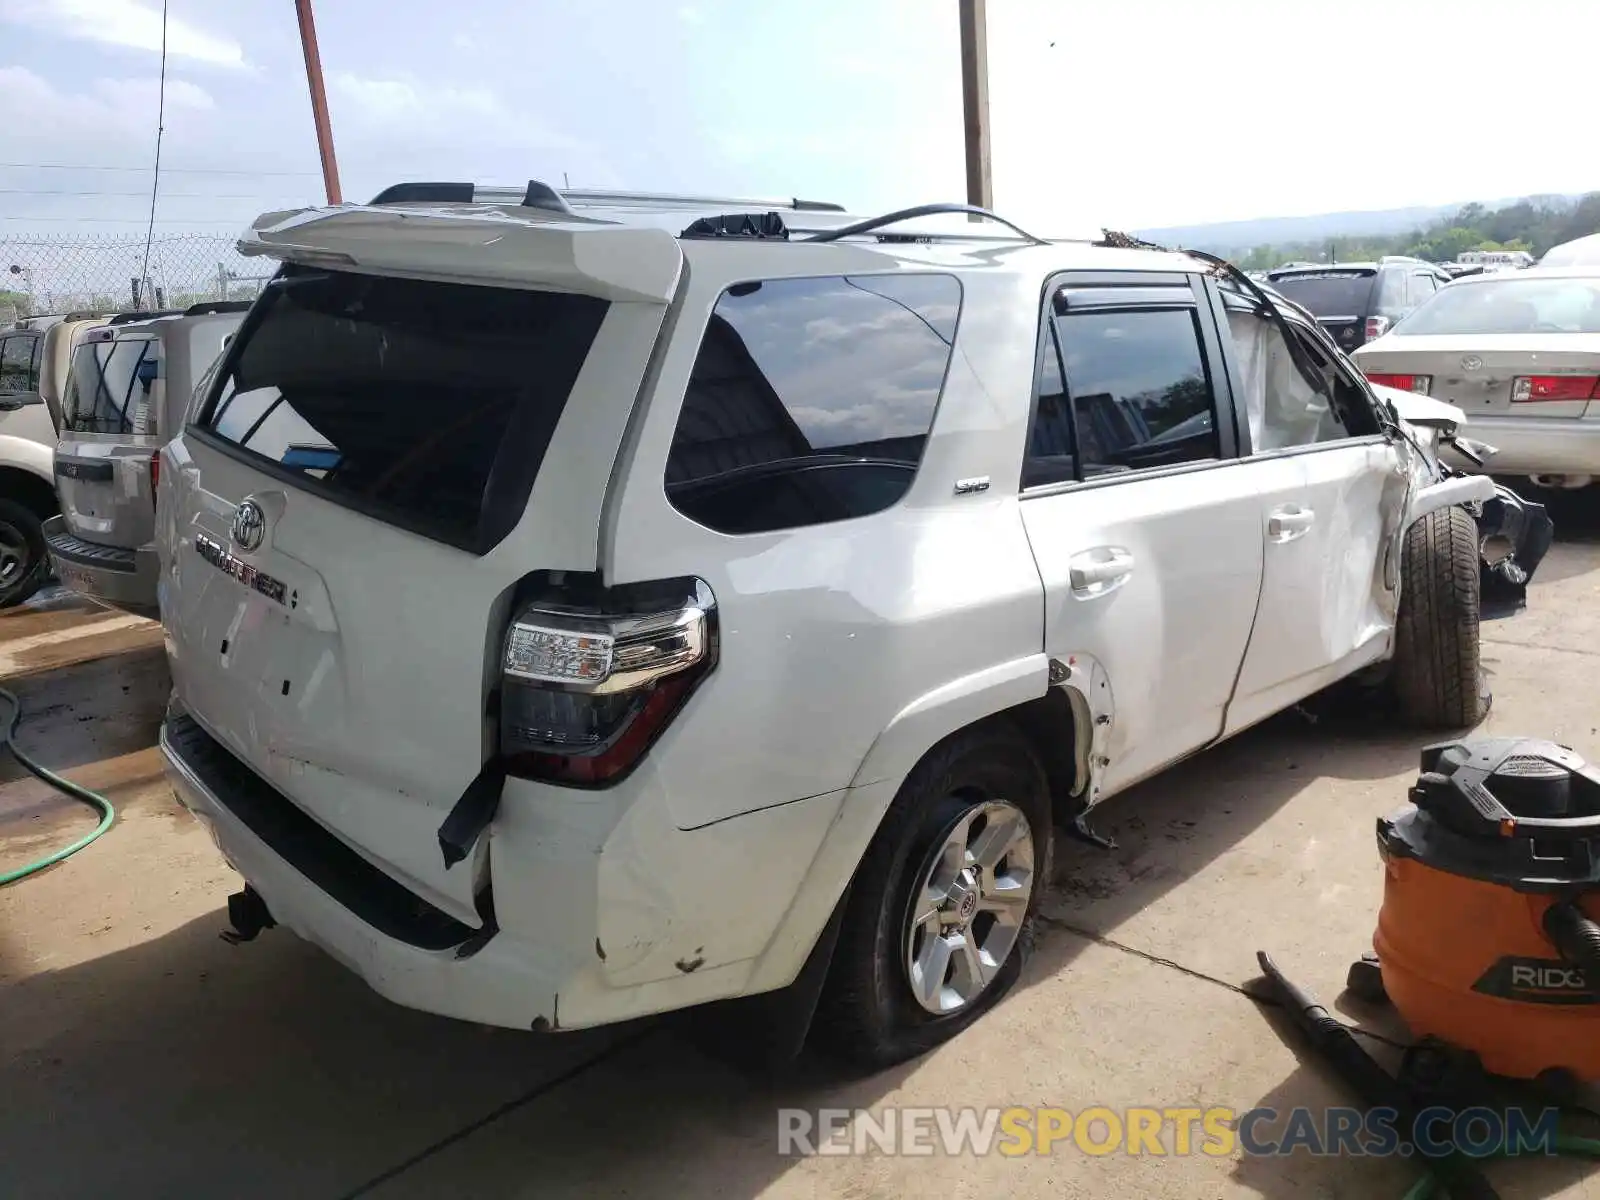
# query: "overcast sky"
(1133, 113)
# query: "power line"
(170, 195)
(33, 166)
(161, 118)
(239, 223)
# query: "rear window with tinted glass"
(1328, 293)
(427, 405)
(811, 399)
(108, 387)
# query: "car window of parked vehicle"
(1139, 390)
(426, 403)
(1281, 407)
(1330, 293)
(104, 391)
(1509, 306)
(1051, 457)
(19, 364)
(811, 400)
(1423, 287)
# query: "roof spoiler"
(208, 308)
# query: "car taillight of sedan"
(1404, 383)
(1532, 389)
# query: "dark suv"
(1359, 301)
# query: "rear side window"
(1329, 293)
(427, 405)
(811, 399)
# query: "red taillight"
(1405, 383)
(587, 685)
(1377, 327)
(1532, 389)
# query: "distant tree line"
(1533, 224)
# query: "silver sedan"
(1519, 353)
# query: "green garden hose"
(1565, 1144)
(94, 800)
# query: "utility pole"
(975, 100)
(319, 100)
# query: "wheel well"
(28, 489)
(1051, 727)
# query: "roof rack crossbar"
(538, 194)
(921, 210)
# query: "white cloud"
(690, 15)
(125, 23)
(406, 109)
(110, 109)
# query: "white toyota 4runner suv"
(584, 606)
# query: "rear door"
(102, 462)
(1144, 524)
(409, 451)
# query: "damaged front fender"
(1513, 536)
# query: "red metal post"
(319, 100)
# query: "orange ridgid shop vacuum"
(1489, 936)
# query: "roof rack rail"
(921, 210)
(541, 195)
(601, 198)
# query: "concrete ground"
(142, 1056)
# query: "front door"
(1144, 524)
(1332, 496)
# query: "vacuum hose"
(94, 800)
(1576, 936)
(1337, 1046)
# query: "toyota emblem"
(249, 525)
(1472, 363)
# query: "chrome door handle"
(1095, 572)
(1289, 522)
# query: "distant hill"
(1225, 236)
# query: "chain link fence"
(107, 274)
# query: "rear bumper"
(114, 575)
(573, 938)
(1539, 445)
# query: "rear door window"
(811, 400)
(426, 405)
(1139, 390)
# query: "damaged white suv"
(586, 606)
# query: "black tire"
(24, 557)
(1438, 676)
(868, 1014)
